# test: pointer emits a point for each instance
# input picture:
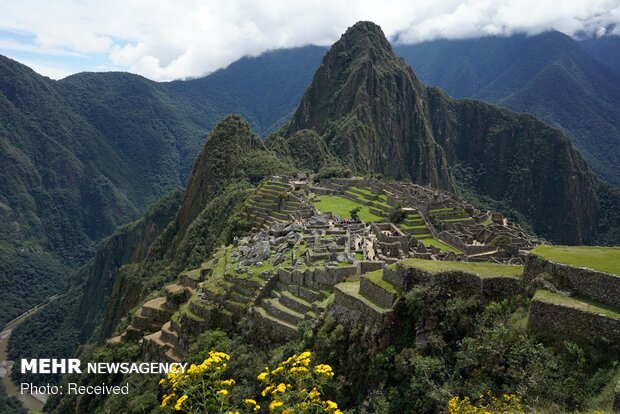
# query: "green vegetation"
(52, 331)
(396, 215)
(28, 276)
(10, 404)
(342, 207)
(439, 244)
(577, 302)
(482, 269)
(475, 349)
(604, 259)
(377, 278)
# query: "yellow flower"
(331, 405)
(275, 404)
(162, 381)
(323, 369)
(299, 370)
(165, 400)
(222, 392)
(262, 376)
(280, 388)
(228, 382)
(180, 401)
(314, 394)
(304, 355)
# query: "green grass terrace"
(475, 268)
(603, 259)
(577, 302)
(342, 207)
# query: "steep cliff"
(305, 149)
(371, 111)
(129, 244)
(517, 160)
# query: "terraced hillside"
(272, 202)
(579, 291)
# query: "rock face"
(219, 162)
(376, 116)
(370, 109)
(521, 161)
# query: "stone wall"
(377, 294)
(319, 278)
(369, 266)
(355, 304)
(548, 317)
(600, 286)
(468, 249)
(493, 287)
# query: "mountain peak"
(364, 39)
(368, 106)
(366, 31)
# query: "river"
(31, 402)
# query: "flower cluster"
(201, 388)
(489, 404)
(294, 386)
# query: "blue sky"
(174, 39)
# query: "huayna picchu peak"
(390, 243)
(371, 111)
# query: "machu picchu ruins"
(329, 247)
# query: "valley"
(31, 402)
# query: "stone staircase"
(292, 299)
(151, 324)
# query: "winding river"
(31, 402)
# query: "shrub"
(294, 386)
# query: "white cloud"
(170, 39)
(46, 69)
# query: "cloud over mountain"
(169, 39)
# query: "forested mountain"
(550, 75)
(83, 155)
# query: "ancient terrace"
(306, 251)
(306, 257)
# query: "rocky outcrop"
(518, 159)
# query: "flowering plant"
(294, 386)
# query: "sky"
(177, 39)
